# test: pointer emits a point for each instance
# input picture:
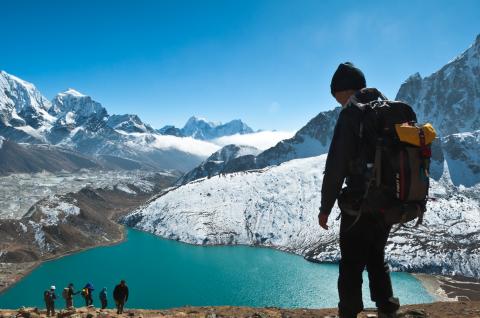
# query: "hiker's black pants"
(363, 246)
(88, 300)
(69, 302)
(50, 308)
(104, 303)
(120, 303)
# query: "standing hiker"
(67, 294)
(87, 294)
(103, 297)
(49, 298)
(363, 238)
(120, 295)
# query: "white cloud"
(261, 140)
(186, 144)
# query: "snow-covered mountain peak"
(196, 119)
(22, 93)
(128, 123)
(23, 109)
(81, 106)
(77, 122)
(196, 126)
(73, 92)
(413, 78)
(450, 97)
(25, 84)
(201, 128)
(472, 52)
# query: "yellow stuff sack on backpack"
(411, 134)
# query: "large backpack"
(47, 296)
(396, 152)
(66, 293)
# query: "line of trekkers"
(120, 295)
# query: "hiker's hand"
(322, 220)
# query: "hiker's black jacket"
(71, 292)
(120, 293)
(343, 153)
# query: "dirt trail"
(461, 309)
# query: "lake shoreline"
(451, 288)
(9, 278)
(434, 284)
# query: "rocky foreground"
(433, 310)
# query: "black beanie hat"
(346, 77)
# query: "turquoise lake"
(161, 273)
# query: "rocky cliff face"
(218, 161)
(450, 97)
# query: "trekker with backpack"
(120, 295)
(383, 156)
(103, 297)
(49, 298)
(67, 294)
(87, 294)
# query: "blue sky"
(268, 62)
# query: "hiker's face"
(343, 96)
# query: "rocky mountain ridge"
(200, 128)
(77, 122)
(450, 97)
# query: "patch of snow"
(125, 188)
(144, 185)
(39, 235)
(31, 131)
(54, 210)
(24, 227)
(70, 118)
(73, 92)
